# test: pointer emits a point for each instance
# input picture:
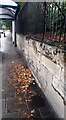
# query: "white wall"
(48, 69)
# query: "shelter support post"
(14, 33)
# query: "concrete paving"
(38, 107)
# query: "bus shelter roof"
(8, 9)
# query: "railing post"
(50, 20)
(44, 27)
(65, 31)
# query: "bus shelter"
(8, 11)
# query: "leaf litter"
(22, 78)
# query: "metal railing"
(47, 19)
(55, 29)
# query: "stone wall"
(47, 65)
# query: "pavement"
(15, 105)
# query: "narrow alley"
(30, 104)
(32, 60)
